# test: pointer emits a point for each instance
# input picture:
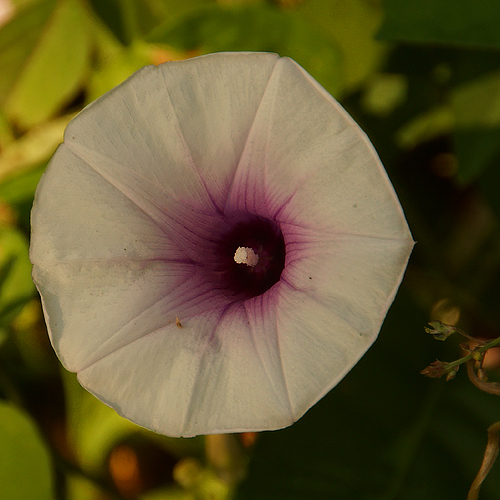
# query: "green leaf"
(45, 53)
(124, 63)
(33, 148)
(80, 488)
(6, 133)
(25, 468)
(456, 22)
(132, 20)
(20, 189)
(94, 427)
(18, 39)
(16, 287)
(18, 192)
(477, 103)
(476, 109)
(176, 494)
(476, 150)
(129, 19)
(442, 65)
(351, 26)
(256, 27)
(109, 11)
(426, 126)
(174, 9)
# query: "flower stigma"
(245, 255)
(258, 243)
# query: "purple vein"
(127, 193)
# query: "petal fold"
(220, 372)
(307, 162)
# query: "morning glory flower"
(216, 244)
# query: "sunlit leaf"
(384, 93)
(129, 19)
(477, 103)
(351, 26)
(115, 62)
(461, 22)
(6, 133)
(33, 148)
(45, 55)
(198, 482)
(18, 39)
(25, 468)
(124, 62)
(17, 193)
(80, 488)
(94, 427)
(16, 287)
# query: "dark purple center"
(264, 237)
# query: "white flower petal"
(334, 298)
(81, 212)
(139, 205)
(151, 381)
(364, 271)
(242, 387)
(168, 125)
(220, 372)
(95, 308)
(78, 215)
(317, 348)
(308, 163)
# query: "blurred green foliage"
(22, 450)
(448, 22)
(423, 79)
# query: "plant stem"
(477, 350)
(489, 458)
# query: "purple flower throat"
(266, 244)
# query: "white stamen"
(245, 255)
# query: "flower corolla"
(216, 244)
